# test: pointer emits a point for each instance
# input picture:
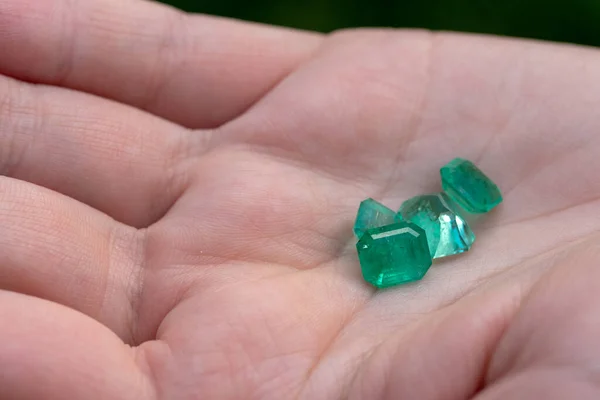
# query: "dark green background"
(576, 21)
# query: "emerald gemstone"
(393, 254)
(447, 233)
(372, 214)
(468, 186)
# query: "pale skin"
(178, 193)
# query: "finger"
(194, 70)
(114, 158)
(50, 352)
(55, 248)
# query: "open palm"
(178, 195)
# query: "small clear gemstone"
(447, 232)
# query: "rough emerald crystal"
(393, 254)
(447, 233)
(372, 214)
(469, 187)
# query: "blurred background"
(576, 21)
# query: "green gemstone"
(447, 232)
(372, 214)
(469, 187)
(393, 254)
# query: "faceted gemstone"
(469, 187)
(393, 254)
(447, 232)
(372, 214)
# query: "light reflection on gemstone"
(447, 232)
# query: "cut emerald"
(447, 233)
(468, 186)
(372, 214)
(393, 254)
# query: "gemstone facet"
(468, 186)
(372, 214)
(393, 254)
(447, 232)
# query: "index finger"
(194, 70)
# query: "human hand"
(178, 194)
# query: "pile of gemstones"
(395, 248)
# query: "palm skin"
(177, 204)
